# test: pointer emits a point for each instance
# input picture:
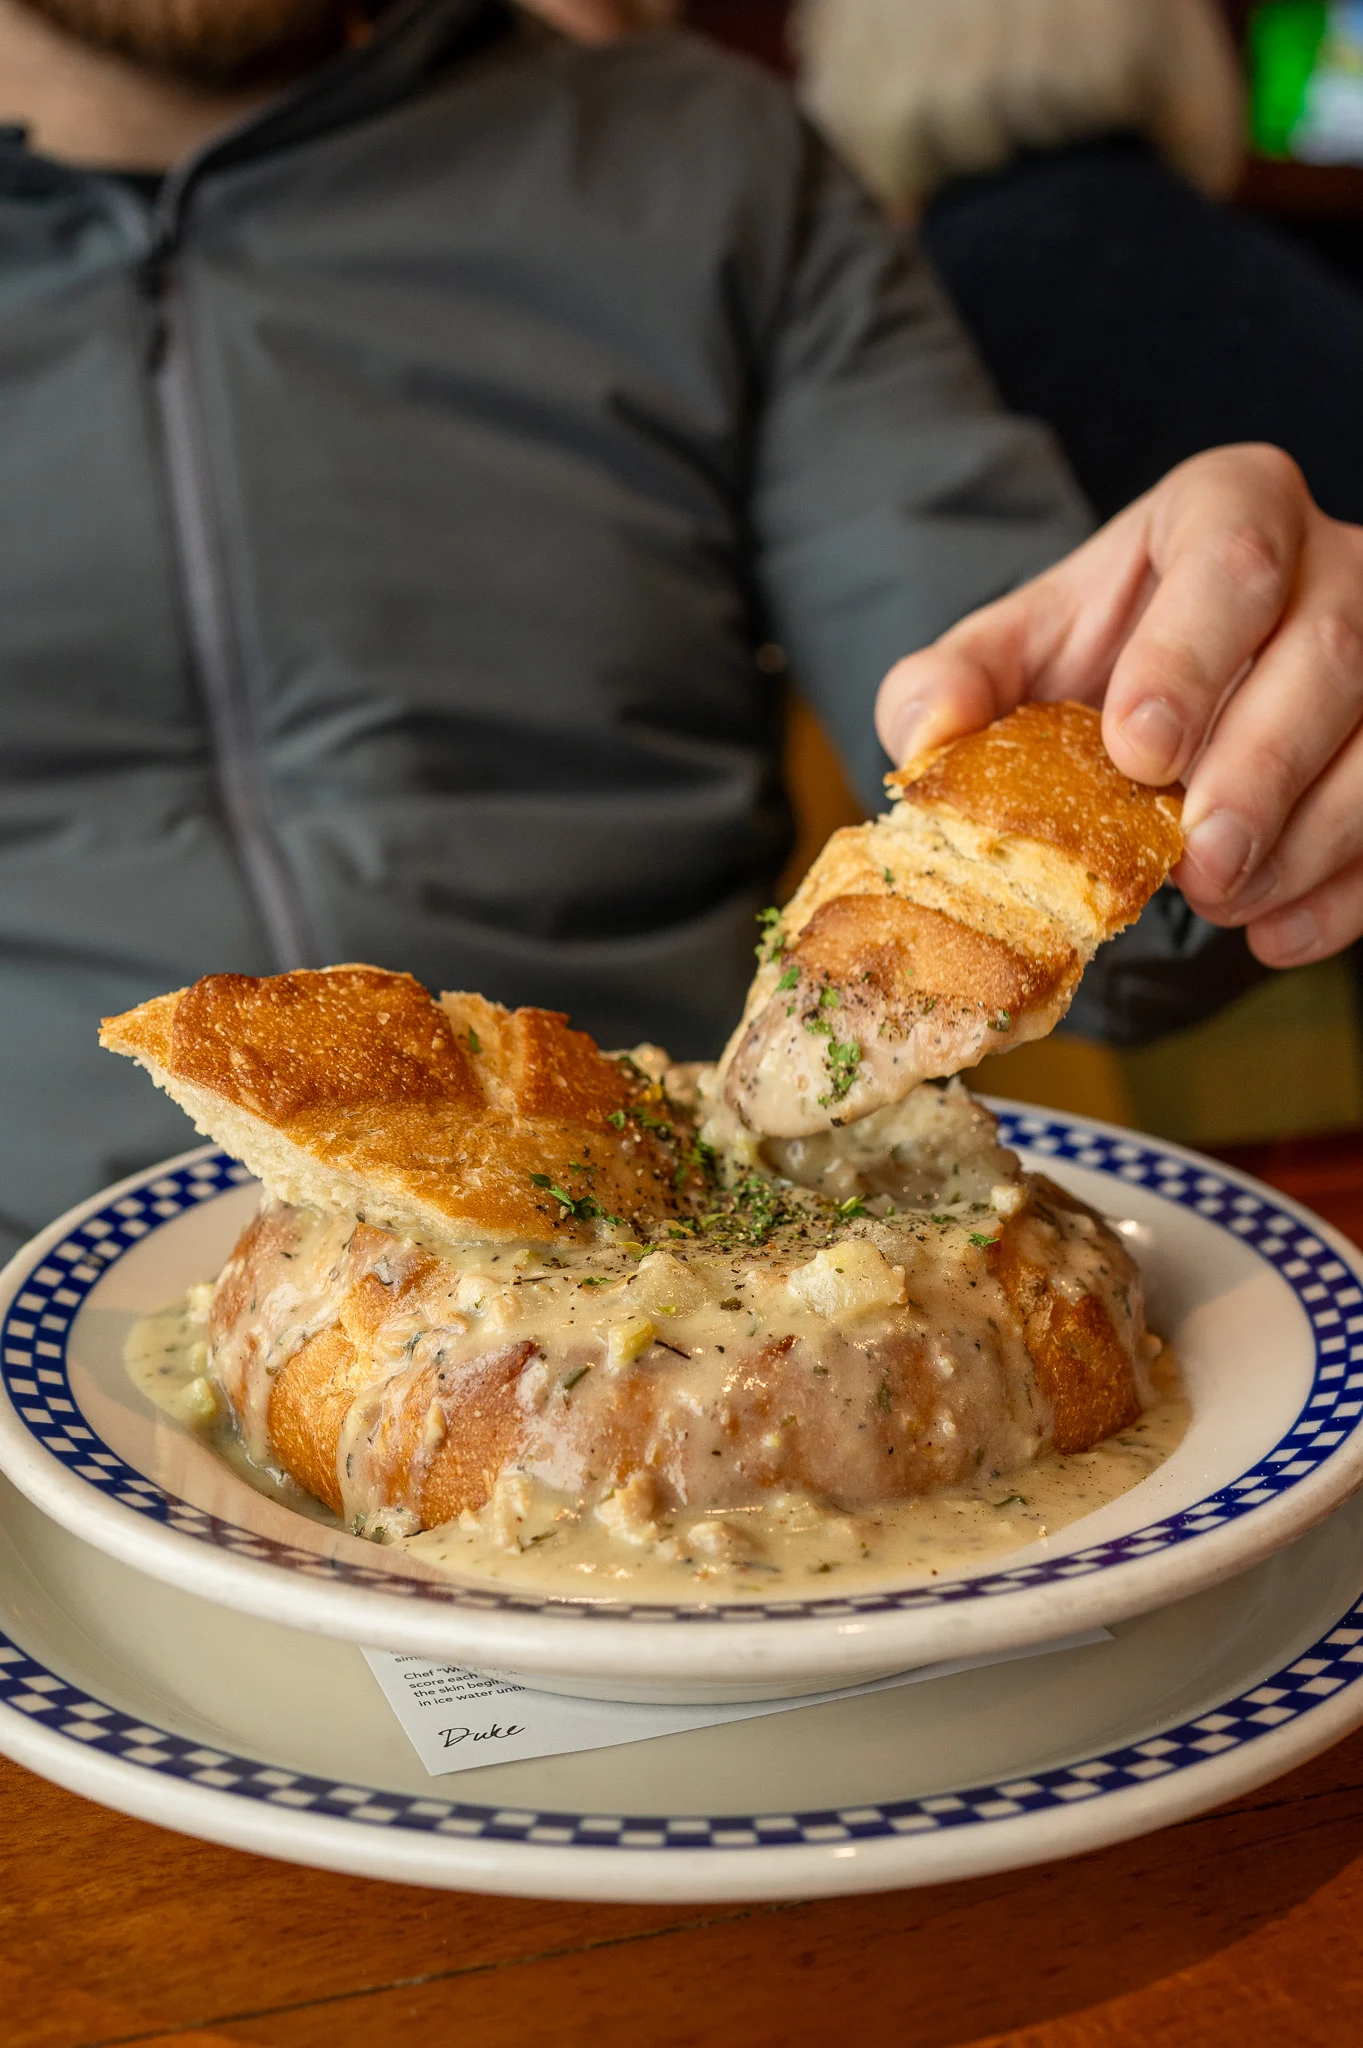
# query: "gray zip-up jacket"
(400, 515)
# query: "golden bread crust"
(909, 953)
(314, 1393)
(348, 1087)
(290, 1046)
(1044, 774)
(145, 1033)
(1081, 1365)
(311, 1397)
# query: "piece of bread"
(956, 926)
(310, 1391)
(349, 1088)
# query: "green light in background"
(1306, 92)
(1285, 38)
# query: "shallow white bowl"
(1261, 1300)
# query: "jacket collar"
(413, 40)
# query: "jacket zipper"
(214, 646)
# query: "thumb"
(935, 696)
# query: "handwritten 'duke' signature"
(451, 1737)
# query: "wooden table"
(1242, 1927)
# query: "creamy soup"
(166, 1355)
(827, 1328)
(536, 1538)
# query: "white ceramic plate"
(1262, 1301)
(240, 1731)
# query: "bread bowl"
(504, 1282)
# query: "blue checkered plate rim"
(1296, 1710)
(1316, 1267)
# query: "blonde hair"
(917, 91)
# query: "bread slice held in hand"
(956, 926)
(349, 1088)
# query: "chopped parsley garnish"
(643, 1117)
(843, 1056)
(698, 1157)
(842, 1059)
(853, 1206)
(772, 943)
(751, 1210)
(1003, 1022)
(889, 878)
(788, 980)
(582, 1208)
(982, 1237)
(475, 1042)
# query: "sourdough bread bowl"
(497, 1269)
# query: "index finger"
(1056, 636)
(1224, 578)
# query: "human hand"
(1218, 621)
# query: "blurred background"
(1151, 215)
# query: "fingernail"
(1221, 847)
(911, 721)
(1155, 732)
(1262, 882)
(1295, 935)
